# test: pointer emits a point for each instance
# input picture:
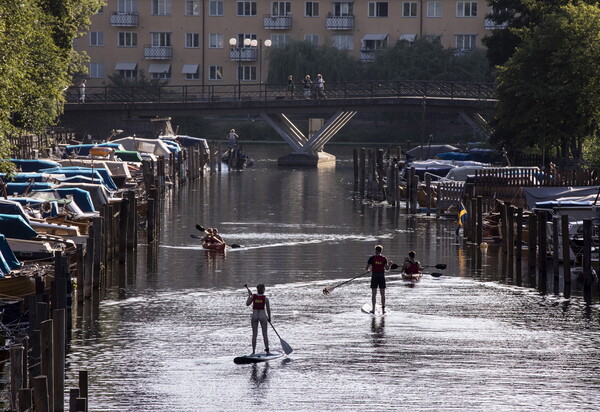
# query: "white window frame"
(215, 73)
(193, 76)
(243, 36)
(192, 40)
(246, 73)
(343, 41)
(374, 9)
(127, 6)
(96, 38)
(465, 41)
(434, 9)
(247, 8)
(280, 40)
(215, 41)
(311, 9)
(162, 76)
(96, 70)
(466, 9)
(312, 38)
(127, 39)
(342, 8)
(215, 8)
(281, 8)
(128, 74)
(160, 39)
(409, 9)
(161, 8)
(192, 7)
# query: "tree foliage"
(36, 60)
(548, 90)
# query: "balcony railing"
(246, 54)
(158, 52)
(124, 19)
(367, 55)
(277, 22)
(339, 23)
(492, 25)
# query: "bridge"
(274, 103)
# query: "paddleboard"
(259, 357)
(367, 307)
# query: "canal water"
(165, 340)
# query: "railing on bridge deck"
(272, 92)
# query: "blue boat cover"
(16, 227)
(20, 188)
(24, 177)
(81, 197)
(8, 207)
(7, 254)
(84, 149)
(99, 175)
(33, 165)
(454, 156)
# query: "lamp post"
(260, 44)
(239, 49)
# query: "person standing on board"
(261, 313)
(411, 266)
(232, 139)
(378, 264)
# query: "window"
(192, 8)
(126, 70)
(215, 8)
(215, 72)
(343, 41)
(127, 6)
(466, 9)
(96, 70)
(247, 73)
(311, 9)
(215, 41)
(242, 36)
(281, 8)
(378, 9)
(433, 38)
(374, 42)
(160, 39)
(341, 9)
(312, 39)
(162, 75)
(280, 40)
(161, 7)
(192, 40)
(434, 9)
(96, 38)
(409, 9)
(246, 8)
(127, 39)
(191, 72)
(465, 41)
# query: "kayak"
(259, 357)
(413, 277)
(214, 246)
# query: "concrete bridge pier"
(307, 151)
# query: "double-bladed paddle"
(200, 228)
(284, 345)
(441, 266)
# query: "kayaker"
(216, 237)
(411, 266)
(208, 238)
(378, 264)
(261, 312)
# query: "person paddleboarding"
(261, 313)
(378, 264)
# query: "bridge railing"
(272, 92)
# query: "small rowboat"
(214, 246)
(413, 277)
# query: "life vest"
(413, 267)
(259, 301)
(378, 263)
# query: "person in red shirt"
(261, 312)
(378, 264)
(411, 266)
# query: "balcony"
(246, 54)
(339, 22)
(158, 52)
(277, 22)
(492, 25)
(367, 55)
(124, 19)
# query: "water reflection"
(378, 331)
(259, 374)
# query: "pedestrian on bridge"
(306, 86)
(290, 87)
(320, 87)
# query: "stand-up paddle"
(202, 229)
(284, 345)
(329, 289)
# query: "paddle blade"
(328, 290)
(234, 246)
(441, 266)
(200, 228)
(394, 266)
(195, 237)
(286, 347)
(436, 274)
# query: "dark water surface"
(462, 342)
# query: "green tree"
(548, 90)
(37, 59)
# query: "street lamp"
(234, 46)
(266, 43)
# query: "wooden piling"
(428, 190)
(83, 389)
(510, 235)
(73, 395)
(587, 260)
(58, 358)
(543, 250)
(555, 255)
(40, 394)
(532, 248)
(519, 248)
(16, 373)
(566, 245)
(356, 167)
(479, 217)
(46, 358)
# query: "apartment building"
(204, 42)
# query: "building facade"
(203, 42)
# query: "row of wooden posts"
(37, 362)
